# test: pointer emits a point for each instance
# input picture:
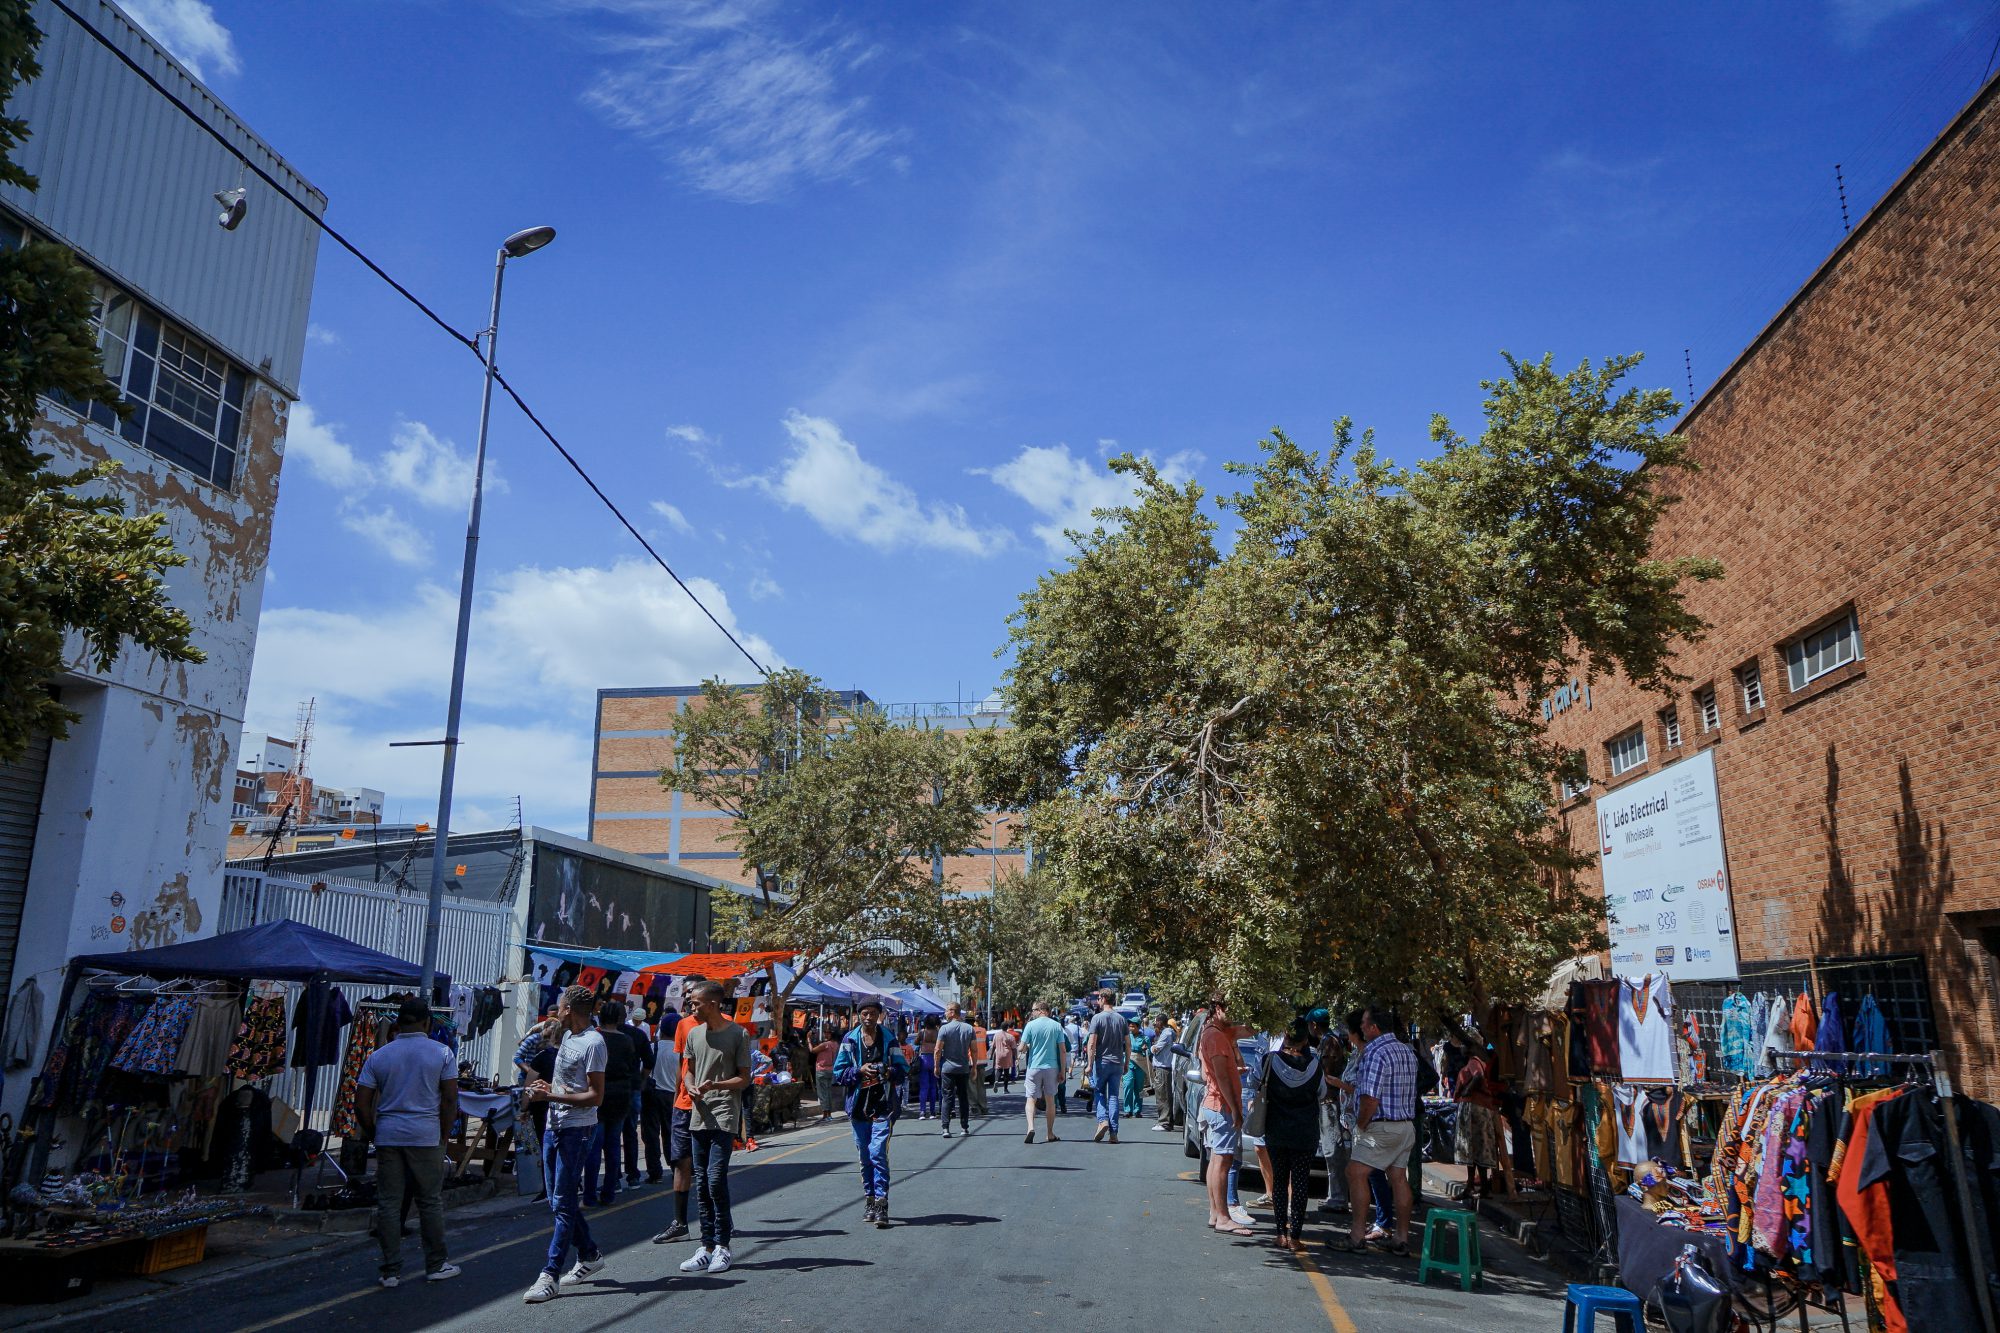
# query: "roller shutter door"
(20, 807)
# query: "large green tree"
(1051, 943)
(1310, 764)
(75, 569)
(845, 812)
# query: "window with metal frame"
(1578, 784)
(184, 398)
(1670, 727)
(1811, 656)
(1705, 704)
(1626, 752)
(1750, 680)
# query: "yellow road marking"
(758, 1160)
(1336, 1313)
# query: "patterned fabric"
(155, 1041)
(1736, 1020)
(366, 1036)
(259, 1050)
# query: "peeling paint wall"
(134, 820)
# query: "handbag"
(1253, 1123)
(1691, 1300)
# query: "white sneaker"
(1163, 1129)
(697, 1262)
(1241, 1216)
(718, 1259)
(444, 1273)
(543, 1290)
(390, 1280)
(584, 1268)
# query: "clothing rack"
(1941, 1084)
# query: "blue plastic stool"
(1585, 1303)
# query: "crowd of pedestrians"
(599, 1089)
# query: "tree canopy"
(1310, 765)
(72, 562)
(846, 812)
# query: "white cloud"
(690, 434)
(1065, 489)
(674, 517)
(318, 444)
(763, 588)
(850, 497)
(740, 108)
(390, 533)
(543, 641)
(430, 470)
(189, 29)
(318, 335)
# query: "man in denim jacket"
(871, 1066)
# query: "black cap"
(413, 1012)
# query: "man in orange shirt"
(680, 1145)
(977, 1081)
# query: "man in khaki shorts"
(1043, 1044)
(1385, 1128)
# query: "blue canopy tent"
(812, 989)
(920, 1001)
(274, 951)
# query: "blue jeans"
(1106, 1090)
(712, 1148)
(871, 1140)
(606, 1151)
(563, 1153)
(1382, 1199)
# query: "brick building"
(1849, 690)
(631, 811)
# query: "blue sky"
(850, 302)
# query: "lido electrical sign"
(1666, 885)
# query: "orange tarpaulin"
(717, 966)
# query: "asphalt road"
(989, 1232)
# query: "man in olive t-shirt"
(717, 1069)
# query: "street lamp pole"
(992, 890)
(520, 243)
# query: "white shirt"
(580, 1055)
(1628, 1109)
(1646, 1029)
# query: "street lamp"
(514, 247)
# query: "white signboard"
(1666, 886)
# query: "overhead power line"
(466, 341)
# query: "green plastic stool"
(1467, 1265)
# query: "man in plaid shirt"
(1385, 1126)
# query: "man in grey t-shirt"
(573, 1092)
(1109, 1046)
(954, 1065)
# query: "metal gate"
(21, 785)
(472, 946)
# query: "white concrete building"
(114, 836)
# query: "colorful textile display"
(259, 1049)
(155, 1041)
(366, 1037)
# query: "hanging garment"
(460, 1003)
(1597, 1016)
(1736, 1058)
(487, 1006)
(1760, 1023)
(320, 1046)
(1660, 1122)
(367, 1036)
(1629, 1117)
(155, 1043)
(259, 1049)
(210, 1032)
(1646, 1030)
(1832, 1034)
(1870, 1036)
(24, 1024)
(1867, 1209)
(1805, 1022)
(1777, 1037)
(1909, 1152)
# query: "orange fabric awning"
(718, 966)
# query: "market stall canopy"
(866, 990)
(921, 1000)
(611, 960)
(719, 966)
(274, 951)
(812, 989)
